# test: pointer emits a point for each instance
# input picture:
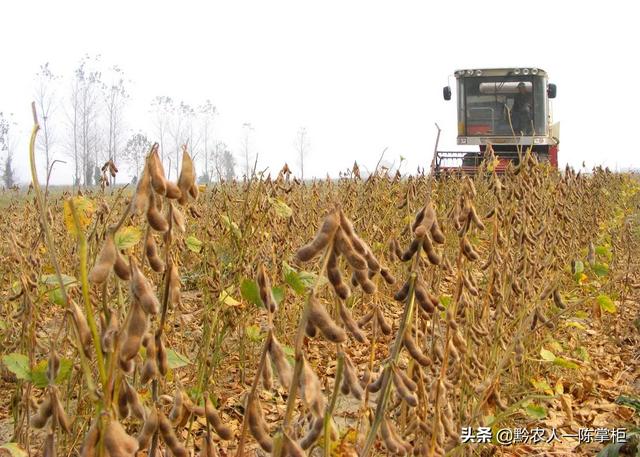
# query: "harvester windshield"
(502, 106)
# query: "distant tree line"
(83, 122)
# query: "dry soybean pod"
(402, 390)
(148, 428)
(321, 319)
(312, 434)
(387, 276)
(156, 220)
(58, 411)
(410, 383)
(136, 329)
(169, 436)
(140, 199)
(90, 442)
(151, 251)
(328, 229)
(150, 367)
(121, 267)
(142, 290)
(364, 320)
(133, 400)
(382, 322)
(282, 365)
(345, 247)
(351, 324)
(362, 278)
(163, 360)
(311, 390)
(105, 261)
(264, 288)
(351, 378)
(156, 171)
(178, 218)
(258, 426)
(173, 192)
(414, 350)
(187, 176)
(214, 420)
(123, 404)
(174, 285)
(117, 442)
(45, 409)
(291, 447)
(388, 439)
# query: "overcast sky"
(360, 76)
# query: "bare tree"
(223, 162)
(179, 131)
(6, 147)
(302, 148)
(162, 107)
(46, 103)
(115, 96)
(84, 119)
(228, 165)
(192, 132)
(247, 128)
(135, 150)
(207, 113)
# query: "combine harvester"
(504, 110)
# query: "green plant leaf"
(600, 269)
(18, 364)
(536, 411)
(281, 208)
(127, 237)
(299, 281)
(229, 224)
(611, 450)
(177, 360)
(52, 280)
(582, 353)
(564, 363)
(253, 333)
(39, 373)
(556, 346)
(603, 251)
(278, 294)
(14, 449)
(582, 314)
(574, 324)
(631, 402)
(547, 355)
(293, 280)
(84, 208)
(579, 267)
(227, 299)
(559, 388)
(55, 294)
(606, 304)
(542, 385)
(193, 244)
(290, 353)
(249, 291)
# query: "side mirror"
(446, 92)
(552, 90)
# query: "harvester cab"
(504, 110)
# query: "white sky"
(360, 76)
